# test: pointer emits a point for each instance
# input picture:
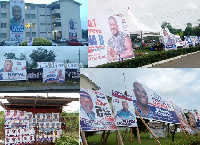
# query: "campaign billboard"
(17, 24)
(12, 70)
(95, 111)
(182, 118)
(54, 75)
(192, 40)
(45, 65)
(123, 109)
(169, 39)
(152, 106)
(108, 40)
(72, 29)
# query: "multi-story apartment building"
(41, 20)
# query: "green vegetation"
(180, 139)
(150, 58)
(39, 42)
(67, 140)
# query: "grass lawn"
(145, 139)
(146, 51)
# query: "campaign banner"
(151, 106)
(192, 40)
(179, 42)
(197, 117)
(12, 70)
(45, 65)
(95, 111)
(108, 40)
(182, 118)
(29, 41)
(158, 129)
(17, 24)
(123, 109)
(74, 65)
(169, 39)
(72, 29)
(58, 64)
(185, 44)
(54, 75)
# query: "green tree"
(41, 55)
(84, 34)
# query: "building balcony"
(55, 11)
(56, 20)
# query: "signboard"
(74, 65)
(158, 129)
(179, 42)
(183, 119)
(72, 29)
(95, 111)
(29, 41)
(17, 20)
(123, 109)
(192, 40)
(169, 40)
(151, 106)
(58, 64)
(108, 40)
(44, 64)
(54, 75)
(12, 70)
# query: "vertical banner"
(54, 75)
(17, 16)
(29, 41)
(108, 40)
(95, 111)
(158, 129)
(169, 40)
(123, 109)
(72, 29)
(151, 106)
(12, 70)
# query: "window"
(28, 34)
(28, 7)
(3, 15)
(42, 15)
(3, 6)
(42, 24)
(3, 35)
(3, 25)
(28, 25)
(27, 16)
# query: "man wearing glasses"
(141, 104)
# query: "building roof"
(66, 0)
(87, 78)
(36, 101)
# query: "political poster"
(72, 29)
(44, 64)
(54, 75)
(95, 111)
(151, 106)
(17, 24)
(123, 109)
(197, 117)
(58, 64)
(182, 118)
(12, 70)
(74, 65)
(193, 119)
(185, 44)
(169, 39)
(192, 40)
(108, 40)
(158, 129)
(179, 42)
(29, 41)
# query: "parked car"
(10, 43)
(77, 42)
(62, 40)
(53, 43)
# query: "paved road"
(190, 61)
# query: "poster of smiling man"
(17, 25)
(124, 109)
(72, 29)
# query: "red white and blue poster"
(123, 109)
(54, 75)
(95, 111)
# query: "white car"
(53, 43)
(63, 40)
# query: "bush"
(67, 140)
(39, 42)
(149, 59)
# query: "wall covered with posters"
(108, 40)
(24, 127)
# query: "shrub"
(39, 42)
(67, 140)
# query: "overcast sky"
(177, 12)
(181, 86)
(73, 106)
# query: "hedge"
(38, 42)
(149, 59)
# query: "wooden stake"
(84, 138)
(138, 135)
(108, 133)
(119, 139)
(131, 134)
(103, 137)
(148, 127)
